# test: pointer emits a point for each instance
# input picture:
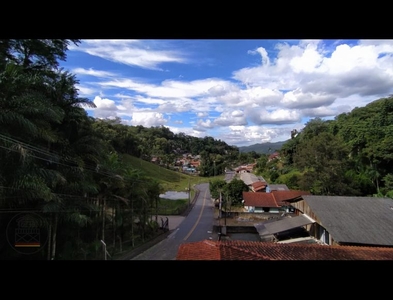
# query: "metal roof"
(268, 228)
(278, 187)
(360, 220)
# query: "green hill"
(264, 148)
(169, 180)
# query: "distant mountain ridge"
(264, 148)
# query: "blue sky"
(241, 91)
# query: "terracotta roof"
(273, 199)
(252, 250)
(205, 250)
(259, 199)
(258, 184)
(281, 196)
(274, 155)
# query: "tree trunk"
(120, 244)
(103, 225)
(132, 223)
(103, 220)
(54, 236)
(49, 236)
(114, 227)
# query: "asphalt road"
(196, 226)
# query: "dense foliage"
(351, 155)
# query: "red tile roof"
(274, 155)
(252, 250)
(281, 196)
(259, 199)
(258, 184)
(206, 250)
(273, 199)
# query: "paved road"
(197, 226)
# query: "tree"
(234, 191)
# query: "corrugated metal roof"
(278, 187)
(363, 220)
(248, 178)
(268, 228)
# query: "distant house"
(341, 220)
(270, 202)
(247, 168)
(195, 163)
(250, 178)
(259, 186)
(189, 170)
(155, 160)
(242, 169)
(274, 155)
(255, 250)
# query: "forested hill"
(351, 155)
(263, 148)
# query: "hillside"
(169, 180)
(263, 148)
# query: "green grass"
(170, 180)
(172, 207)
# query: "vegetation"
(350, 155)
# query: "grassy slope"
(169, 180)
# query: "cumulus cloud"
(260, 116)
(104, 104)
(202, 125)
(345, 70)
(231, 118)
(148, 119)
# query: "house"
(155, 160)
(250, 178)
(270, 202)
(274, 155)
(342, 220)
(286, 228)
(242, 169)
(255, 250)
(258, 186)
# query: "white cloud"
(298, 99)
(129, 52)
(231, 118)
(91, 72)
(249, 135)
(84, 91)
(104, 104)
(148, 119)
(203, 125)
(260, 116)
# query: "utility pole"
(189, 193)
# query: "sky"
(239, 91)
